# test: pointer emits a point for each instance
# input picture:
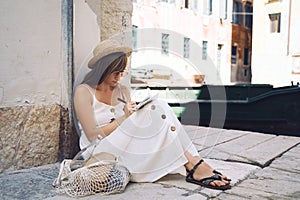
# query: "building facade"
(241, 44)
(276, 42)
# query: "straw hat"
(107, 47)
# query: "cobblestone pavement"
(261, 166)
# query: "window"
(223, 9)
(275, 22)
(165, 44)
(194, 5)
(245, 72)
(134, 37)
(186, 47)
(210, 7)
(248, 16)
(204, 50)
(207, 7)
(246, 56)
(233, 54)
(237, 11)
(219, 58)
(185, 3)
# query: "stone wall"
(115, 17)
(35, 135)
(29, 136)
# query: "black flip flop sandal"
(219, 173)
(205, 182)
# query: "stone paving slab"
(195, 132)
(212, 139)
(31, 184)
(253, 148)
(243, 143)
(236, 171)
(143, 191)
(289, 161)
(267, 184)
(280, 180)
(265, 152)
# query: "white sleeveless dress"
(150, 143)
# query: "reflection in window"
(194, 5)
(233, 54)
(246, 56)
(223, 9)
(245, 72)
(134, 37)
(248, 16)
(219, 57)
(275, 22)
(186, 47)
(207, 7)
(165, 44)
(185, 3)
(237, 11)
(204, 50)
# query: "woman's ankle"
(192, 162)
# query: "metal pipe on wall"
(67, 51)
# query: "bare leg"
(202, 171)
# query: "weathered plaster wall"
(86, 31)
(32, 83)
(35, 126)
(30, 48)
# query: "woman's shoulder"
(84, 89)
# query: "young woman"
(150, 142)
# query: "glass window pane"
(204, 50)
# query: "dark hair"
(104, 67)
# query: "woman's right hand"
(129, 108)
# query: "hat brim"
(124, 49)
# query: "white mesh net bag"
(82, 178)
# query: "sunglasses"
(120, 73)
